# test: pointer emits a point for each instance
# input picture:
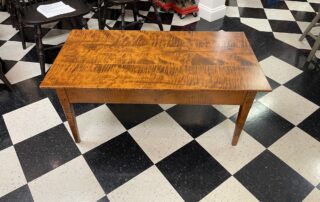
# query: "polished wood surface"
(156, 60)
(156, 68)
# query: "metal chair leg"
(135, 12)
(3, 78)
(122, 16)
(40, 48)
(314, 49)
(310, 26)
(23, 41)
(159, 21)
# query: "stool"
(123, 3)
(316, 38)
(2, 76)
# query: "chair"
(316, 38)
(2, 76)
(28, 15)
(123, 3)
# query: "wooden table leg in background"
(69, 113)
(242, 116)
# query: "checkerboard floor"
(167, 152)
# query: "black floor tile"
(201, 25)
(196, 119)
(5, 140)
(252, 13)
(285, 26)
(307, 85)
(264, 125)
(21, 194)
(166, 18)
(193, 172)
(104, 199)
(274, 4)
(50, 55)
(131, 115)
(117, 161)
(7, 65)
(2, 42)
(28, 35)
(46, 151)
(303, 16)
(315, 6)
(270, 179)
(311, 125)
(231, 3)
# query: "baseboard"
(210, 14)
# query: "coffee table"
(149, 67)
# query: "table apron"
(155, 96)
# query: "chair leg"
(135, 12)
(99, 11)
(23, 41)
(40, 48)
(159, 21)
(122, 16)
(84, 23)
(3, 78)
(314, 49)
(310, 26)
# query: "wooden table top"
(153, 60)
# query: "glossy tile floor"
(168, 152)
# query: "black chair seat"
(31, 16)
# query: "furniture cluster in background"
(24, 13)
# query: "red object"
(185, 11)
(176, 8)
(164, 6)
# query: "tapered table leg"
(242, 116)
(69, 113)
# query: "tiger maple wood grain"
(142, 60)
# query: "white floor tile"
(155, 27)
(4, 16)
(227, 110)
(160, 136)
(289, 104)
(303, 26)
(279, 14)
(24, 70)
(96, 127)
(279, 70)
(182, 22)
(11, 174)
(232, 12)
(261, 25)
(166, 106)
(150, 185)
(230, 190)
(12, 50)
(217, 142)
(250, 3)
(300, 151)
(31, 120)
(73, 181)
(7, 32)
(299, 6)
(292, 39)
(56, 36)
(313, 196)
